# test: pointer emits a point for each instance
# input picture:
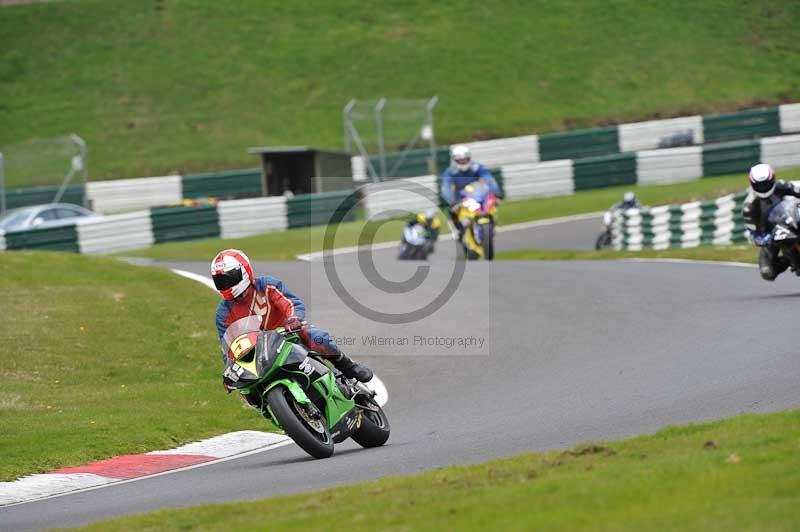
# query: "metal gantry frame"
(77, 164)
(354, 138)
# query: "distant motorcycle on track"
(477, 214)
(312, 402)
(414, 245)
(785, 221)
(604, 239)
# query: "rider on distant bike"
(429, 221)
(765, 193)
(629, 201)
(461, 172)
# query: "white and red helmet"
(762, 180)
(232, 273)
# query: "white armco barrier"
(551, 178)
(398, 196)
(789, 116)
(499, 152)
(672, 165)
(111, 234)
(2, 240)
(781, 152)
(252, 216)
(661, 133)
(130, 194)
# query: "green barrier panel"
(224, 185)
(731, 157)
(739, 197)
(321, 208)
(412, 163)
(753, 123)
(607, 171)
(64, 238)
(22, 197)
(580, 143)
(184, 223)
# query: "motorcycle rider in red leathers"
(244, 295)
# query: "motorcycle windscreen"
(785, 213)
(477, 190)
(243, 326)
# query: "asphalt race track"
(573, 352)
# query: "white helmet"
(460, 156)
(762, 180)
(232, 273)
(628, 200)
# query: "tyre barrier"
(686, 225)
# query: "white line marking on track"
(308, 257)
(548, 221)
(691, 261)
(195, 277)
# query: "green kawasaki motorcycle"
(311, 401)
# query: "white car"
(44, 216)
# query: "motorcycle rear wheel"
(311, 435)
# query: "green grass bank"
(739, 253)
(163, 85)
(102, 358)
(741, 473)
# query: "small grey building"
(303, 170)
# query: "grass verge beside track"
(287, 245)
(738, 253)
(190, 85)
(101, 359)
(741, 473)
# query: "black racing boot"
(771, 264)
(352, 370)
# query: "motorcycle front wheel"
(374, 430)
(307, 430)
(603, 240)
(487, 240)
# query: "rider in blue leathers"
(458, 175)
